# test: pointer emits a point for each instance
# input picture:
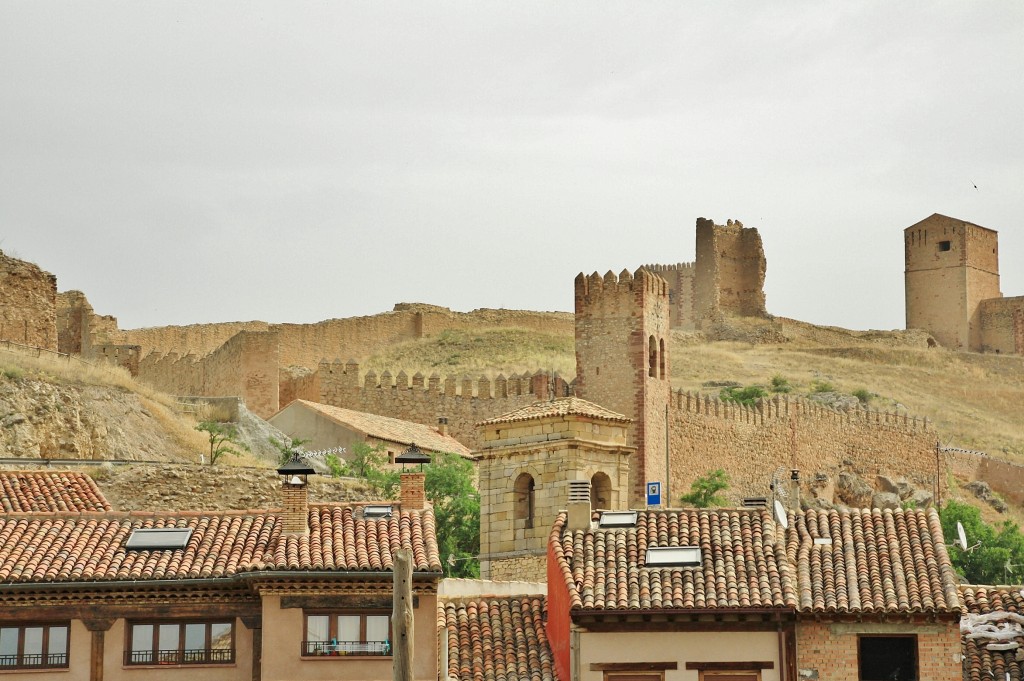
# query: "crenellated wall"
(751, 442)
(28, 304)
(246, 366)
(464, 401)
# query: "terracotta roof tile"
(872, 560)
(50, 491)
(992, 615)
(863, 561)
(390, 429)
(565, 406)
(90, 546)
(742, 565)
(495, 638)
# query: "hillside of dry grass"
(976, 401)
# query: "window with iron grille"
(346, 633)
(196, 642)
(34, 646)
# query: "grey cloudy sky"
(215, 161)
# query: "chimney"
(442, 425)
(295, 515)
(579, 505)
(411, 491)
(295, 496)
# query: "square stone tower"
(622, 361)
(529, 458)
(951, 267)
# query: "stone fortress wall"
(462, 401)
(28, 304)
(750, 443)
(726, 277)
(952, 287)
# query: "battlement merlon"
(595, 285)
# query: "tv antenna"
(961, 539)
(779, 486)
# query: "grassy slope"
(976, 401)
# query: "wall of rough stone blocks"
(246, 366)
(751, 443)
(527, 568)
(464, 401)
(1004, 477)
(1002, 325)
(28, 304)
(680, 293)
(730, 271)
(828, 651)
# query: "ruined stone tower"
(727, 277)
(951, 267)
(622, 361)
(530, 459)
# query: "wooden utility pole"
(401, 617)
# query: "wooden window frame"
(45, 655)
(916, 649)
(332, 631)
(180, 658)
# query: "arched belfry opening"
(652, 352)
(601, 491)
(524, 499)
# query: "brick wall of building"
(828, 651)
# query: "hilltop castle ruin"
(952, 287)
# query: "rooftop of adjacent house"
(492, 638)
(991, 632)
(387, 428)
(92, 547)
(858, 561)
(564, 406)
(50, 491)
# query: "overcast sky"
(292, 162)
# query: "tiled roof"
(494, 638)
(50, 491)
(742, 565)
(877, 561)
(564, 406)
(91, 546)
(390, 429)
(992, 615)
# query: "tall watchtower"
(951, 266)
(622, 361)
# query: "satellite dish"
(780, 514)
(961, 536)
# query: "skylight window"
(373, 511)
(618, 519)
(157, 539)
(673, 556)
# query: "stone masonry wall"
(354, 337)
(526, 568)
(730, 271)
(464, 401)
(750, 443)
(1002, 325)
(828, 651)
(28, 304)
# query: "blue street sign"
(654, 494)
